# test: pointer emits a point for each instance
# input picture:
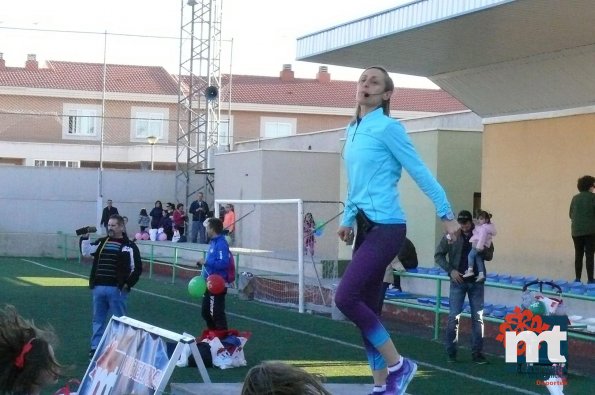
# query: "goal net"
(290, 248)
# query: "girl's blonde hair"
(278, 378)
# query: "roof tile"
(245, 88)
(89, 77)
(311, 92)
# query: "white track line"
(329, 339)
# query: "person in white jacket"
(117, 266)
(483, 233)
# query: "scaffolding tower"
(198, 97)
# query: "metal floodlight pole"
(198, 108)
(102, 137)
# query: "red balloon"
(215, 284)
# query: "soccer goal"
(291, 255)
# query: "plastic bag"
(554, 306)
(227, 347)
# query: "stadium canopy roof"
(498, 57)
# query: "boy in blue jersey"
(217, 261)
(376, 150)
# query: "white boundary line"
(329, 339)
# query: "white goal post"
(300, 234)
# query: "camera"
(86, 229)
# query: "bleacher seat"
(504, 278)
(578, 288)
(492, 277)
(563, 284)
(517, 280)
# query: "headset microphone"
(372, 94)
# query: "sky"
(263, 33)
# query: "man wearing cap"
(452, 257)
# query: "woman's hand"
(345, 233)
(453, 229)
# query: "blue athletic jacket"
(376, 150)
(217, 260)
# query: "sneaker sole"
(411, 376)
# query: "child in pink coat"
(483, 233)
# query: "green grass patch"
(55, 292)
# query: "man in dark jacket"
(108, 211)
(199, 210)
(452, 257)
(407, 257)
(116, 268)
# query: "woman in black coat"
(156, 215)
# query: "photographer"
(116, 268)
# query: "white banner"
(129, 360)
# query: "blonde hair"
(278, 378)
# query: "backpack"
(488, 253)
(408, 255)
(205, 352)
(231, 269)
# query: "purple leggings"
(358, 295)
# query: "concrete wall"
(455, 160)
(275, 174)
(329, 140)
(47, 200)
(270, 174)
(529, 178)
